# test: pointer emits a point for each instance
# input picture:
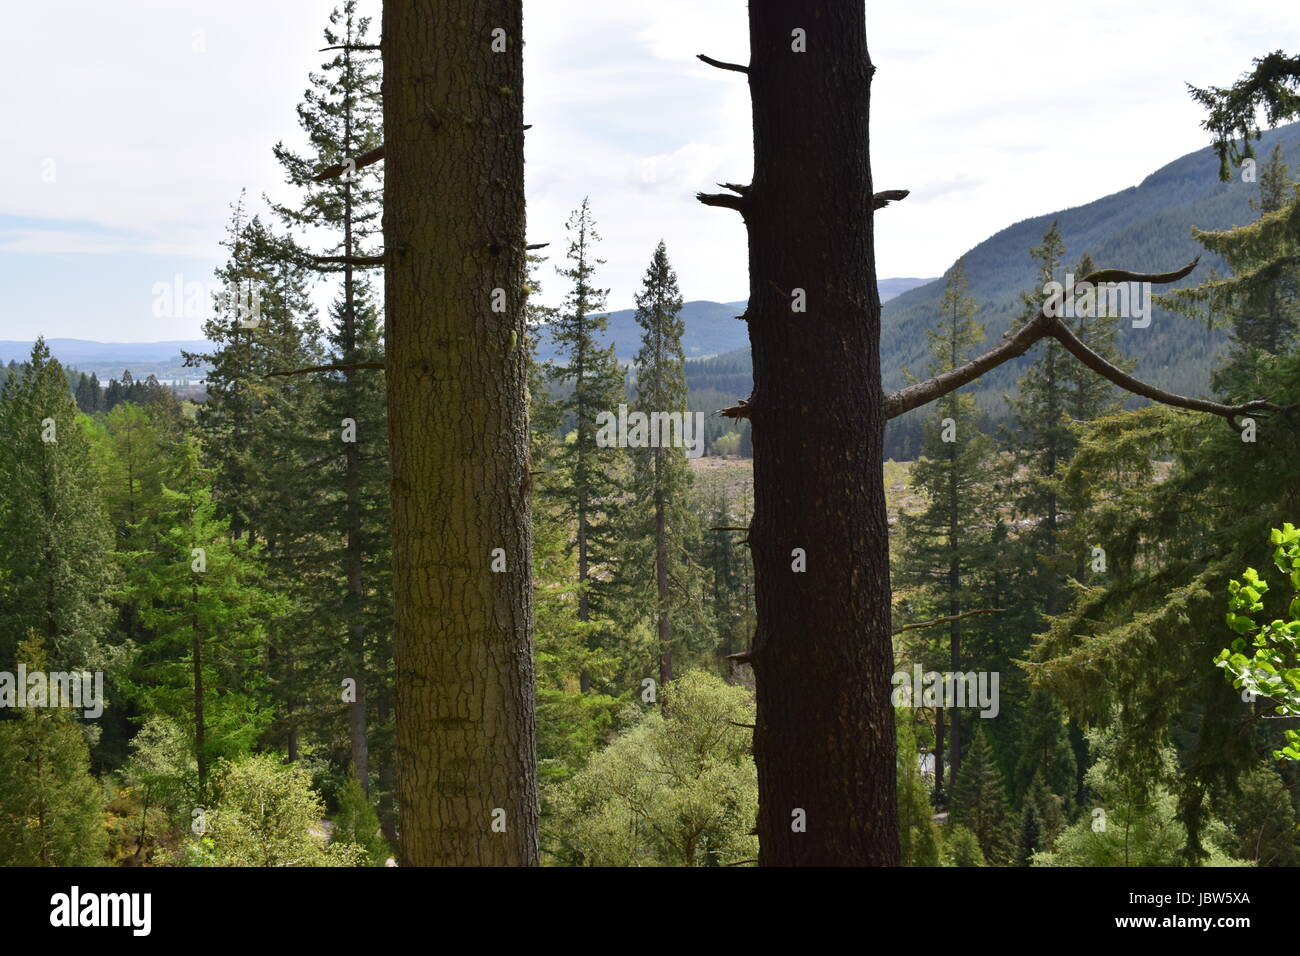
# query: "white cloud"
(987, 116)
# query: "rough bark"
(824, 736)
(456, 380)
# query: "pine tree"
(202, 601)
(1260, 299)
(1030, 838)
(660, 521)
(341, 114)
(51, 808)
(588, 484)
(56, 567)
(979, 801)
(1043, 442)
(957, 474)
(1044, 749)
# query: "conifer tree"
(201, 598)
(659, 513)
(1044, 749)
(957, 474)
(51, 808)
(979, 801)
(341, 114)
(56, 567)
(1260, 298)
(588, 484)
(1043, 442)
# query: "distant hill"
(711, 327)
(1145, 227)
(109, 359)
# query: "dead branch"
(882, 199)
(734, 67)
(949, 619)
(327, 368)
(358, 162)
(723, 200)
(360, 262)
(740, 410)
(741, 658)
(351, 46)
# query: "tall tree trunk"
(661, 584)
(824, 741)
(458, 423)
(954, 605)
(352, 560)
(200, 726)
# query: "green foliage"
(56, 567)
(1233, 111)
(979, 801)
(1273, 670)
(357, 823)
(50, 806)
(199, 596)
(585, 477)
(660, 529)
(1263, 821)
(961, 847)
(918, 834)
(678, 788)
(1135, 819)
(266, 814)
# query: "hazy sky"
(127, 129)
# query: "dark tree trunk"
(824, 741)
(939, 799)
(661, 581)
(200, 726)
(458, 422)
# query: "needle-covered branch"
(1047, 323)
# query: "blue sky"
(129, 128)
